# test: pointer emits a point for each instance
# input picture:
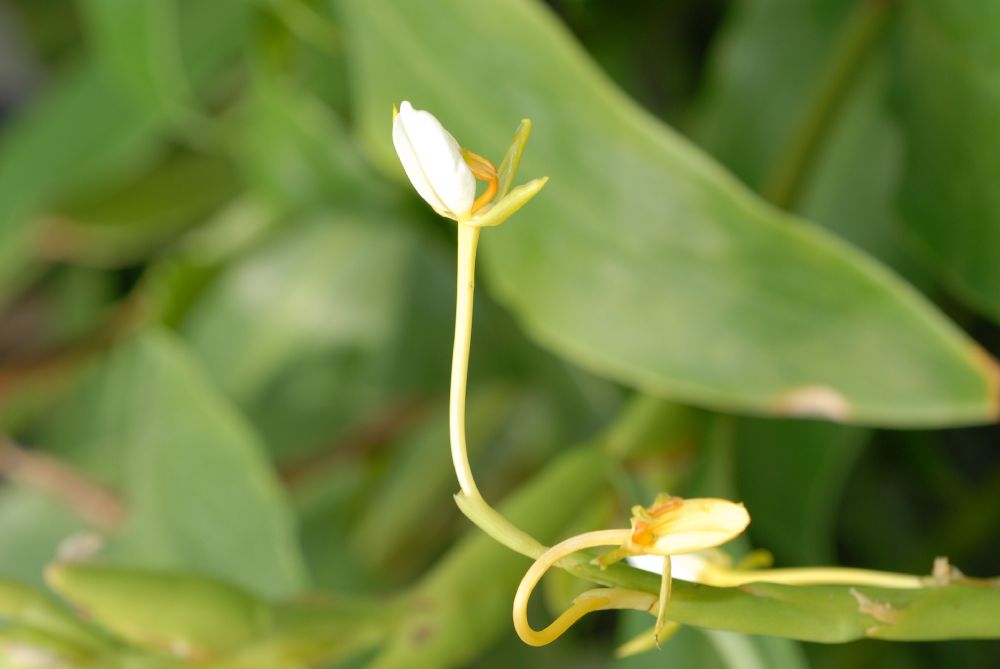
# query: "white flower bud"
(433, 162)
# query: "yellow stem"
(580, 607)
(661, 611)
(728, 578)
(470, 500)
(468, 240)
(647, 640)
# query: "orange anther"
(483, 170)
(665, 506)
(642, 534)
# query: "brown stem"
(92, 502)
(121, 321)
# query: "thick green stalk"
(826, 614)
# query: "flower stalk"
(468, 240)
(444, 174)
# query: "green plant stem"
(470, 500)
(493, 523)
(859, 36)
(638, 423)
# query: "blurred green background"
(226, 319)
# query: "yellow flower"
(672, 525)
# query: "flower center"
(646, 521)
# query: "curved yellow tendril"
(582, 605)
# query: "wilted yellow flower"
(670, 526)
(673, 525)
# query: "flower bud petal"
(432, 160)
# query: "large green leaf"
(791, 475)
(78, 134)
(642, 259)
(162, 53)
(33, 527)
(296, 333)
(137, 41)
(195, 480)
(296, 153)
(763, 74)
(949, 103)
(88, 128)
(124, 224)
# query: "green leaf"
(296, 153)
(33, 526)
(195, 479)
(773, 50)
(30, 648)
(406, 502)
(79, 134)
(163, 53)
(708, 649)
(742, 307)
(949, 102)
(23, 605)
(321, 632)
(137, 42)
(86, 131)
(740, 651)
(689, 647)
(791, 475)
(303, 321)
(124, 224)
